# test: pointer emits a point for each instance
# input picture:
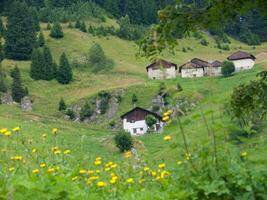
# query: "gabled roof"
(161, 63)
(200, 62)
(141, 110)
(241, 55)
(216, 63)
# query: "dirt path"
(261, 57)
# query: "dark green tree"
(97, 59)
(41, 40)
(134, 99)
(86, 111)
(17, 90)
(64, 74)
(2, 28)
(228, 68)
(20, 36)
(48, 27)
(36, 65)
(83, 27)
(56, 31)
(124, 141)
(1, 51)
(150, 121)
(62, 105)
(3, 87)
(78, 24)
(47, 68)
(35, 17)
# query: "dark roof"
(241, 55)
(142, 110)
(161, 63)
(216, 63)
(200, 62)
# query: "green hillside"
(88, 141)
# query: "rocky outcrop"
(26, 103)
(6, 98)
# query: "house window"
(132, 121)
(134, 130)
(141, 129)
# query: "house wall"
(168, 73)
(243, 64)
(138, 125)
(214, 71)
(191, 73)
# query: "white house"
(215, 68)
(162, 69)
(242, 60)
(195, 68)
(134, 121)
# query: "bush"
(104, 101)
(162, 88)
(62, 105)
(150, 120)
(228, 68)
(71, 114)
(86, 111)
(124, 141)
(204, 42)
(56, 31)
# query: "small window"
(134, 130)
(141, 129)
(132, 121)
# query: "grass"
(129, 73)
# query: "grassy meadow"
(88, 141)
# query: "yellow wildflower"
(107, 169)
(130, 180)
(35, 171)
(67, 151)
(128, 154)
(153, 173)
(179, 162)
(141, 181)
(90, 172)
(44, 136)
(83, 171)
(74, 178)
(146, 169)
(244, 154)
(92, 178)
(113, 166)
(55, 131)
(7, 133)
(164, 173)
(187, 156)
(161, 166)
(53, 149)
(57, 152)
(101, 184)
(165, 114)
(98, 162)
(167, 138)
(166, 118)
(114, 179)
(16, 129)
(34, 150)
(51, 170)
(98, 158)
(18, 158)
(3, 130)
(42, 165)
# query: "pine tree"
(64, 75)
(2, 28)
(1, 52)
(48, 27)
(62, 105)
(56, 31)
(37, 61)
(20, 35)
(134, 99)
(3, 87)
(18, 92)
(83, 27)
(36, 21)
(41, 40)
(47, 69)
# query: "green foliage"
(162, 88)
(250, 38)
(70, 25)
(204, 42)
(77, 24)
(20, 36)
(2, 28)
(86, 111)
(249, 101)
(64, 74)
(62, 105)
(3, 87)
(83, 27)
(123, 141)
(48, 27)
(2, 56)
(35, 17)
(71, 114)
(228, 68)
(104, 101)
(150, 121)
(41, 40)
(179, 87)
(18, 92)
(56, 31)
(97, 59)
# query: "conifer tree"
(78, 24)
(64, 74)
(48, 27)
(36, 21)
(41, 40)
(1, 52)
(83, 27)
(134, 99)
(47, 68)
(18, 92)
(3, 87)
(56, 31)
(54, 68)
(35, 70)
(62, 105)
(2, 28)
(20, 36)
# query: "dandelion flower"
(7, 133)
(67, 151)
(244, 154)
(161, 166)
(166, 118)
(83, 171)
(16, 129)
(179, 162)
(35, 171)
(130, 180)
(3, 130)
(42, 165)
(128, 154)
(51, 170)
(57, 152)
(11, 169)
(167, 138)
(113, 166)
(55, 131)
(34, 150)
(141, 181)
(101, 184)
(74, 178)
(90, 172)
(98, 162)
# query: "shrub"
(104, 101)
(228, 68)
(162, 88)
(204, 42)
(179, 87)
(86, 111)
(184, 50)
(62, 105)
(134, 99)
(124, 141)
(71, 114)
(18, 92)
(48, 27)
(150, 120)
(56, 31)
